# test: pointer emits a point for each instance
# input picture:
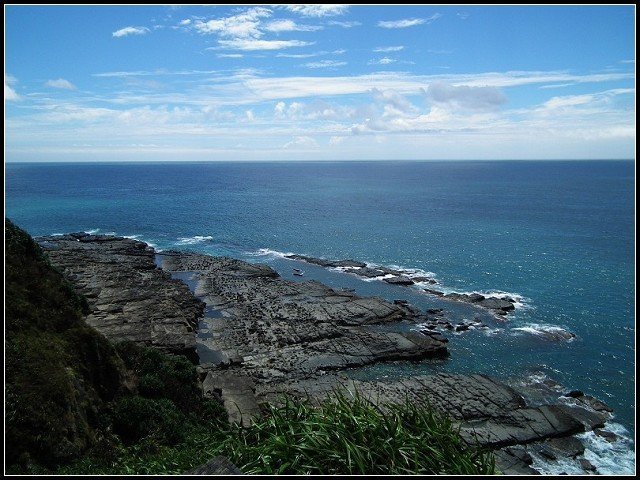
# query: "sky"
(318, 82)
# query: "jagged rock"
(608, 436)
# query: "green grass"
(344, 435)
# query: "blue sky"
(319, 82)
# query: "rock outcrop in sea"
(271, 337)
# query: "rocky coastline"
(265, 336)
(498, 305)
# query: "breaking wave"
(548, 332)
(193, 240)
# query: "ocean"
(559, 237)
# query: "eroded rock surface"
(129, 298)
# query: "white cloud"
(10, 94)
(250, 115)
(381, 61)
(310, 55)
(254, 44)
(409, 22)
(60, 83)
(303, 142)
(230, 55)
(478, 98)
(318, 10)
(242, 25)
(388, 49)
(123, 32)
(462, 15)
(334, 140)
(278, 26)
(279, 109)
(344, 24)
(185, 22)
(325, 64)
(300, 55)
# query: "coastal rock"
(399, 280)
(514, 461)
(494, 303)
(433, 292)
(587, 465)
(608, 436)
(368, 272)
(424, 280)
(128, 297)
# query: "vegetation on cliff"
(68, 391)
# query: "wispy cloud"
(318, 10)
(10, 94)
(255, 44)
(381, 61)
(278, 26)
(60, 83)
(345, 24)
(388, 49)
(325, 64)
(475, 98)
(126, 31)
(148, 73)
(408, 22)
(302, 143)
(230, 55)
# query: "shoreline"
(263, 357)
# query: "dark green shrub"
(135, 418)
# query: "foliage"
(54, 386)
(353, 436)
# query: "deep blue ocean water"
(559, 235)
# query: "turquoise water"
(560, 235)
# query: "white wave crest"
(267, 252)
(193, 240)
(92, 231)
(550, 332)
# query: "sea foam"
(193, 240)
(549, 332)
